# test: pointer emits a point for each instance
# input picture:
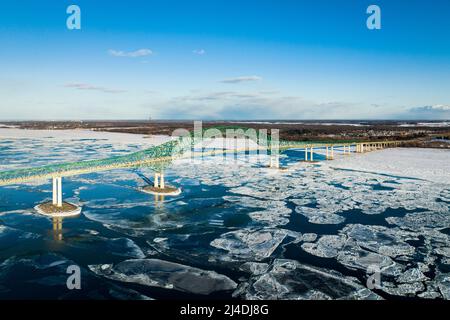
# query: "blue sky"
(225, 59)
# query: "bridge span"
(159, 157)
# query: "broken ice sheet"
(251, 243)
(326, 247)
(289, 279)
(275, 212)
(165, 274)
(318, 216)
(386, 241)
(417, 221)
(411, 275)
(254, 268)
(403, 289)
(443, 281)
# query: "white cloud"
(441, 107)
(86, 86)
(431, 112)
(130, 54)
(241, 79)
(236, 105)
(200, 52)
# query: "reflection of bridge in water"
(161, 156)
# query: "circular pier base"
(167, 191)
(66, 210)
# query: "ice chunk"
(289, 279)
(326, 247)
(309, 237)
(255, 268)
(443, 281)
(412, 275)
(251, 243)
(165, 274)
(380, 239)
(318, 216)
(416, 221)
(354, 257)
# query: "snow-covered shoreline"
(427, 164)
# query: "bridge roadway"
(161, 155)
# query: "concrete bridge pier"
(159, 181)
(360, 148)
(57, 208)
(160, 188)
(329, 156)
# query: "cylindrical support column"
(59, 180)
(332, 152)
(312, 154)
(306, 154)
(162, 182)
(156, 180)
(55, 191)
(327, 152)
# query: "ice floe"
(250, 243)
(325, 247)
(165, 274)
(289, 279)
(385, 241)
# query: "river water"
(238, 229)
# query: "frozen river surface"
(239, 229)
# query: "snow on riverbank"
(427, 164)
(101, 137)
